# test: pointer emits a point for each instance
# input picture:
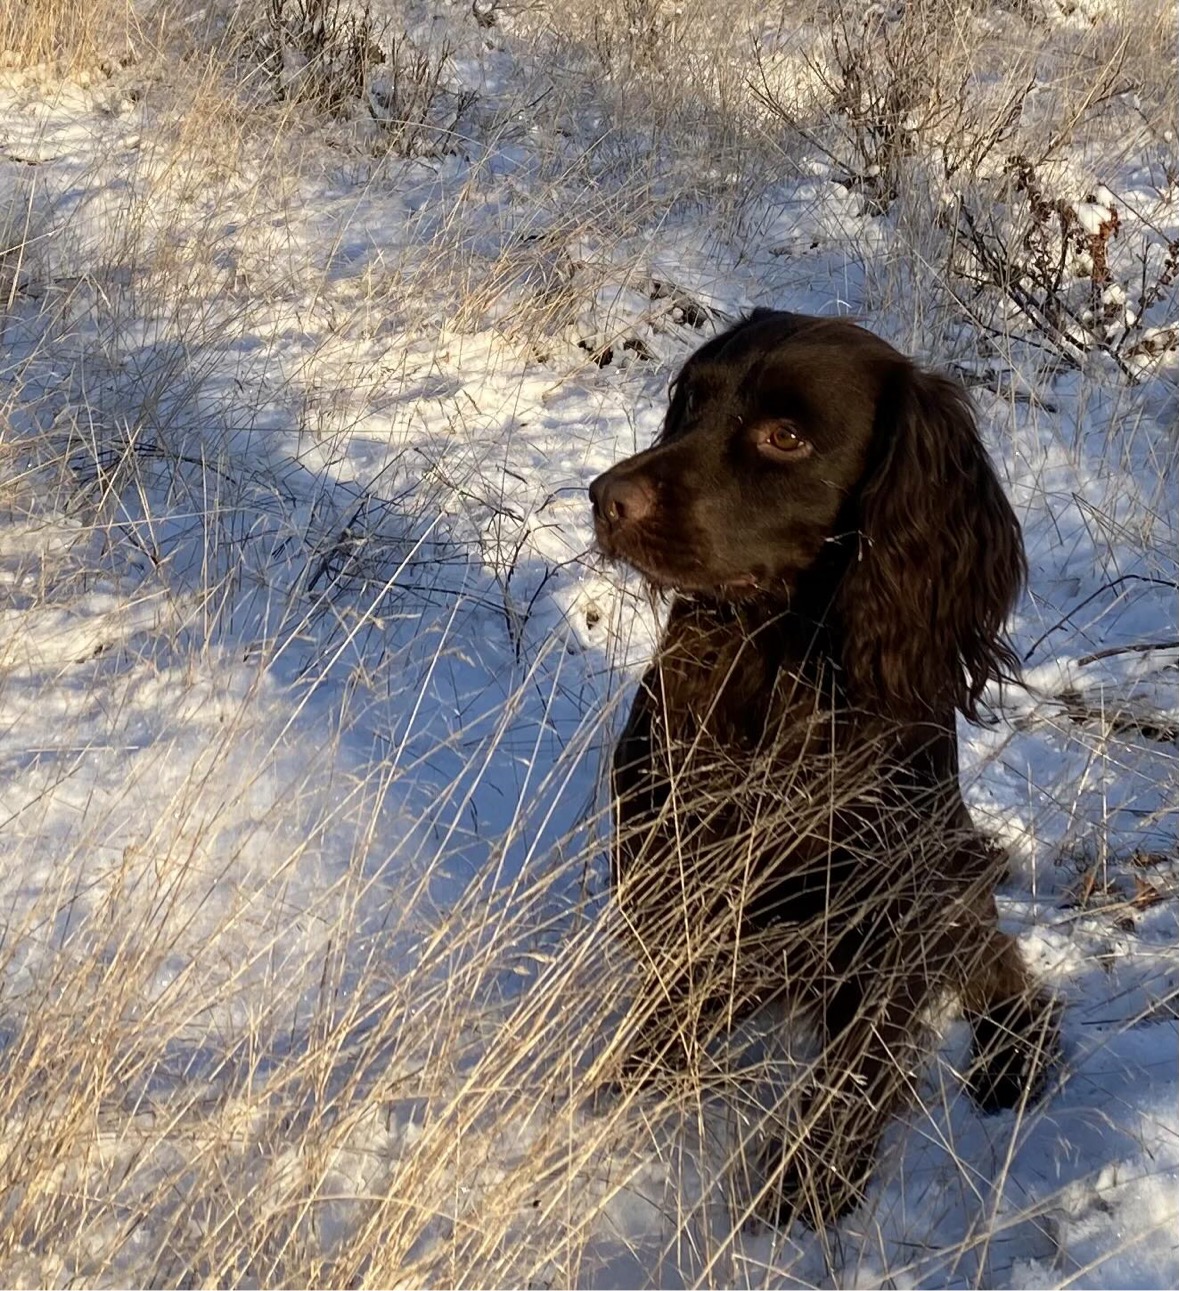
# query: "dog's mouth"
(738, 588)
(689, 579)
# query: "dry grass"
(67, 34)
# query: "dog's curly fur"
(789, 818)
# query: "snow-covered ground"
(307, 667)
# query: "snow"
(307, 671)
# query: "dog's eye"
(781, 441)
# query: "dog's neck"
(736, 672)
(723, 666)
(801, 632)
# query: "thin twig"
(1144, 648)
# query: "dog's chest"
(747, 700)
(731, 739)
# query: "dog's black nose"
(621, 499)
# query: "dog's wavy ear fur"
(940, 562)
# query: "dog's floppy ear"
(940, 562)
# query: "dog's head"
(806, 462)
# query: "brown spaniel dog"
(789, 820)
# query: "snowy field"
(317, 323)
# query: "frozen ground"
(307, 667)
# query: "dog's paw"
(808, 1188)
(1016, 1049)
